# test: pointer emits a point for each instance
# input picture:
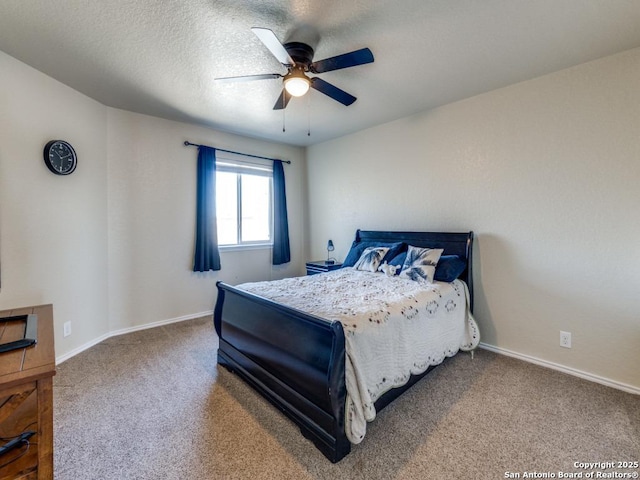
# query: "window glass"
(255, 202)
(244, 201)
(227, 207)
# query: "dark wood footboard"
(295, 360)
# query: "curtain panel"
(281, 250)
(207, 255)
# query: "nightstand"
(322, 266)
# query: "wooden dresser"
(26, 398)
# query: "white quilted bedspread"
(394, 327)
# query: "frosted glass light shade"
(297, 86)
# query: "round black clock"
(60, 157)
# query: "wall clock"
(60, 157)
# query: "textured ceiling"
(159, 57)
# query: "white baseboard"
(124, 331)
(146, 326)
(561, 368)
(81, 348)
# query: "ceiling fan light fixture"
(297, 85)
(297, 58)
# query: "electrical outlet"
(565, 339)
(67, 329)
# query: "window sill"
(249, 246)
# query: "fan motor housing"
(300, 52)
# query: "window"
(244, 202)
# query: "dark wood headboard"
(453, 244)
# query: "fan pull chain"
(308, 114)
(283, 109)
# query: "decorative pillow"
(355, 252)
(358, 247)
(398, 261)
(394, 249)
(449, 268)
(371, 258)
(420, 264)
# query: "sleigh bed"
(299, 361)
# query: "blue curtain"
(281, 251)
(207, 255)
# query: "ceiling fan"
(297, 57)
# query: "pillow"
(394, 249)
(420, 264)
(398, 261)
(449, 268)
(358, 247)
(371, 258)
(355, 252)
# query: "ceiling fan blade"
(270, 41)
(332, 91)
(283, 100)
(346, 60)
(248, 78)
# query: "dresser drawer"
(321, 266)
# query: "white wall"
(547, 174)
(111, 245)
(53, 229)
(152, 204)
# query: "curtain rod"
(189, 144)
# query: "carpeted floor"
(154, 405)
